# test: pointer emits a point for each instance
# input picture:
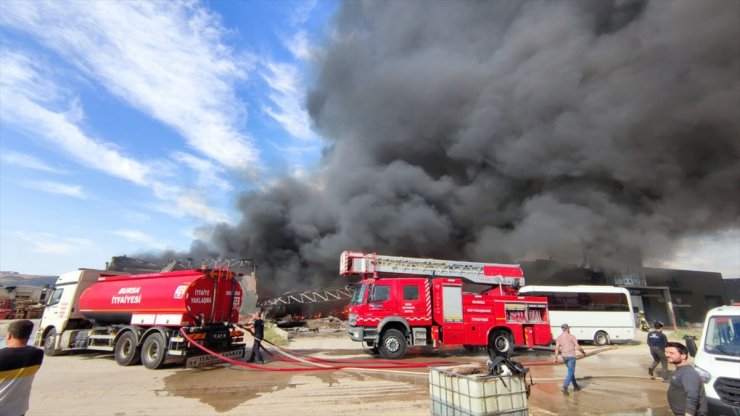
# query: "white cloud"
(163, 58)
(141, 238)
(32, 112)
(186, 202)
(47, 243)
(287, 96)
(300, 47)
(136, 217)
(27, 161)
(716, 253)
(208, 172)
(58, 188)
(302, 12)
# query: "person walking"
(566, 345)
(258, 328)
(657, 342)
(19, 363)
(686, 391)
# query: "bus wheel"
(601, 338)
(500, 343)
(50, 341)
(126, 351)
(153, 351)
(392, 345)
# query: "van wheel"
(127, 353)
(153, 351)
(50, 341)
(500, 343)
(393, 344)
(601, 338)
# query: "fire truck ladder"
(359, 263)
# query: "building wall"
(693, 293)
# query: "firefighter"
(258, 328)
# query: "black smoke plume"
(502, 130)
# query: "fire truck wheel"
(49, 343)
(153, 351)
(601, 338)
(393, 344)
(126, 351)
(500, 343)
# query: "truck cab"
(60, 313)
(718, 360)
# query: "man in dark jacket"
(258, 328)
(657, 341)
(686, 392)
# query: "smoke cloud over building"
(499, 131)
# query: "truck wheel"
(601, 338)
(50, 341)
(393, 344)
(500, 343)
(127, 352)
(153, 351)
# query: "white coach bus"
(601, 314)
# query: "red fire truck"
(139, 317)
(401, 302)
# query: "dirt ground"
(615, 382)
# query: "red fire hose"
(323, 367)
(321, 364)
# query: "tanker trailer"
(139, 317)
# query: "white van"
(718, 360)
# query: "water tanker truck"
(139, 317)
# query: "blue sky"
(129, 126)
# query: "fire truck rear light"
(237, 333)
(198, 336)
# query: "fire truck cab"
(403, 302)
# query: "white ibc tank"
(476, 395)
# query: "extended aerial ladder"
(364, 264)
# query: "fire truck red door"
(415, 302)
(380, 301)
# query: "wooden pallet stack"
(21, 306)
(34, 311)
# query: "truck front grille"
(728, 390)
